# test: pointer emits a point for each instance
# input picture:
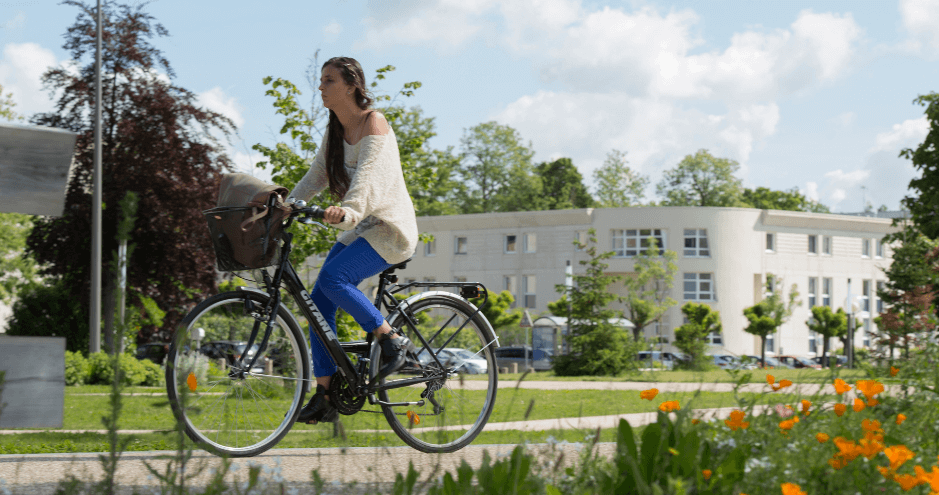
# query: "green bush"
(51, 311)
(77, 368)
(154, 374)
(135, 372)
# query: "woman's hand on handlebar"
(334, 215)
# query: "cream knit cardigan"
(377, 204)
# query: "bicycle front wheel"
(224, 408)
(456, 407)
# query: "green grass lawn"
(715, 376)
(152, 412)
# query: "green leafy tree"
(503, 318)
(51, 310)
(563, 186)
(923, 203)
(768, 315)
(912, 266)
(691, 338)
(701, 180)
(828, 324)
(6, 107)
(617, 184)
(913, 313)
(597, 346)
(653, 277)
(442, 191)
(493, 161)
(792, 200)
(16, 268)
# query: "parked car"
(836, 361)
(668, 359)
(465, 361)
(771, 362)
(728, 361)
(538, 359)
(154, 351)
(230, 350)
(799, 361)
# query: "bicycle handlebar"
(314, 212)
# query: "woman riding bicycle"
(359, 163)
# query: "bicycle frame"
(287, 275)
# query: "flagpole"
(94, 325)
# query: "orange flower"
(695, 421)
(805, 407)
(792, 489)
(840, 386)
(871, 425)
(884, 470)
(649, 394)
(872, 402)
(907, 481)
(901, 418)
(736, 420)
(840, 409)
(822, 437)
(847, 449)
(898, 454)
(894, 371)
(869, 388)
(707, 474)
(770, 379)
(870, 447)
(782, 384)
(789, 423)
(931, 478)
(669, 406)
(858, 405)
(837, 462)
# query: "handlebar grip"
(318, 213)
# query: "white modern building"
(724, 257)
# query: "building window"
(866, 341)
(580, 237)
(714, 338)
(510, 244)
(879, 248)
(459, 245)
(865, 248)
(826, 292)
(770, 242)
(530, 288)
(696, 243)
(430, 279)
(813, 244)
(812, 345)
(770, 283)
(632, 242)
(880, 301)
(531, 243)
(865, 299)
(769, 343)
(813, 292)
(826, 245)
(430, 248)
(509, 284)
(699, 287)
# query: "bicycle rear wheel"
(456, 408)
(225, 410)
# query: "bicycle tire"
(199, 392)
(466, 406)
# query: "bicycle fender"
(491, 333)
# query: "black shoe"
(393, 352)
(318, 409)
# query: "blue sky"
(813, 95)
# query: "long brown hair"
(351, 73)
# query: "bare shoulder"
(376, 125)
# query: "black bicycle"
(245, 405)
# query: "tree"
(923, 204)
(617, 184)
(647, 299)
(597, 346)
(492, 158)
(912, 265)
(563, 186)
(828, 324)
(769, 314)
(691, 337)
(155, 142)
(792, 200)
(701, 180)
(501, 316)
(16, 269)
(440, 195)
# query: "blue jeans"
(344, 269)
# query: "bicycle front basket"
(239, 249)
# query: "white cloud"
(908, 133)
(921, 19)
(811, 190)
(845, 119)
(245, 162)
(848, 179)
(216, 100)
(331, 31)
(18, 21)
(447, 24)
(21, 70)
